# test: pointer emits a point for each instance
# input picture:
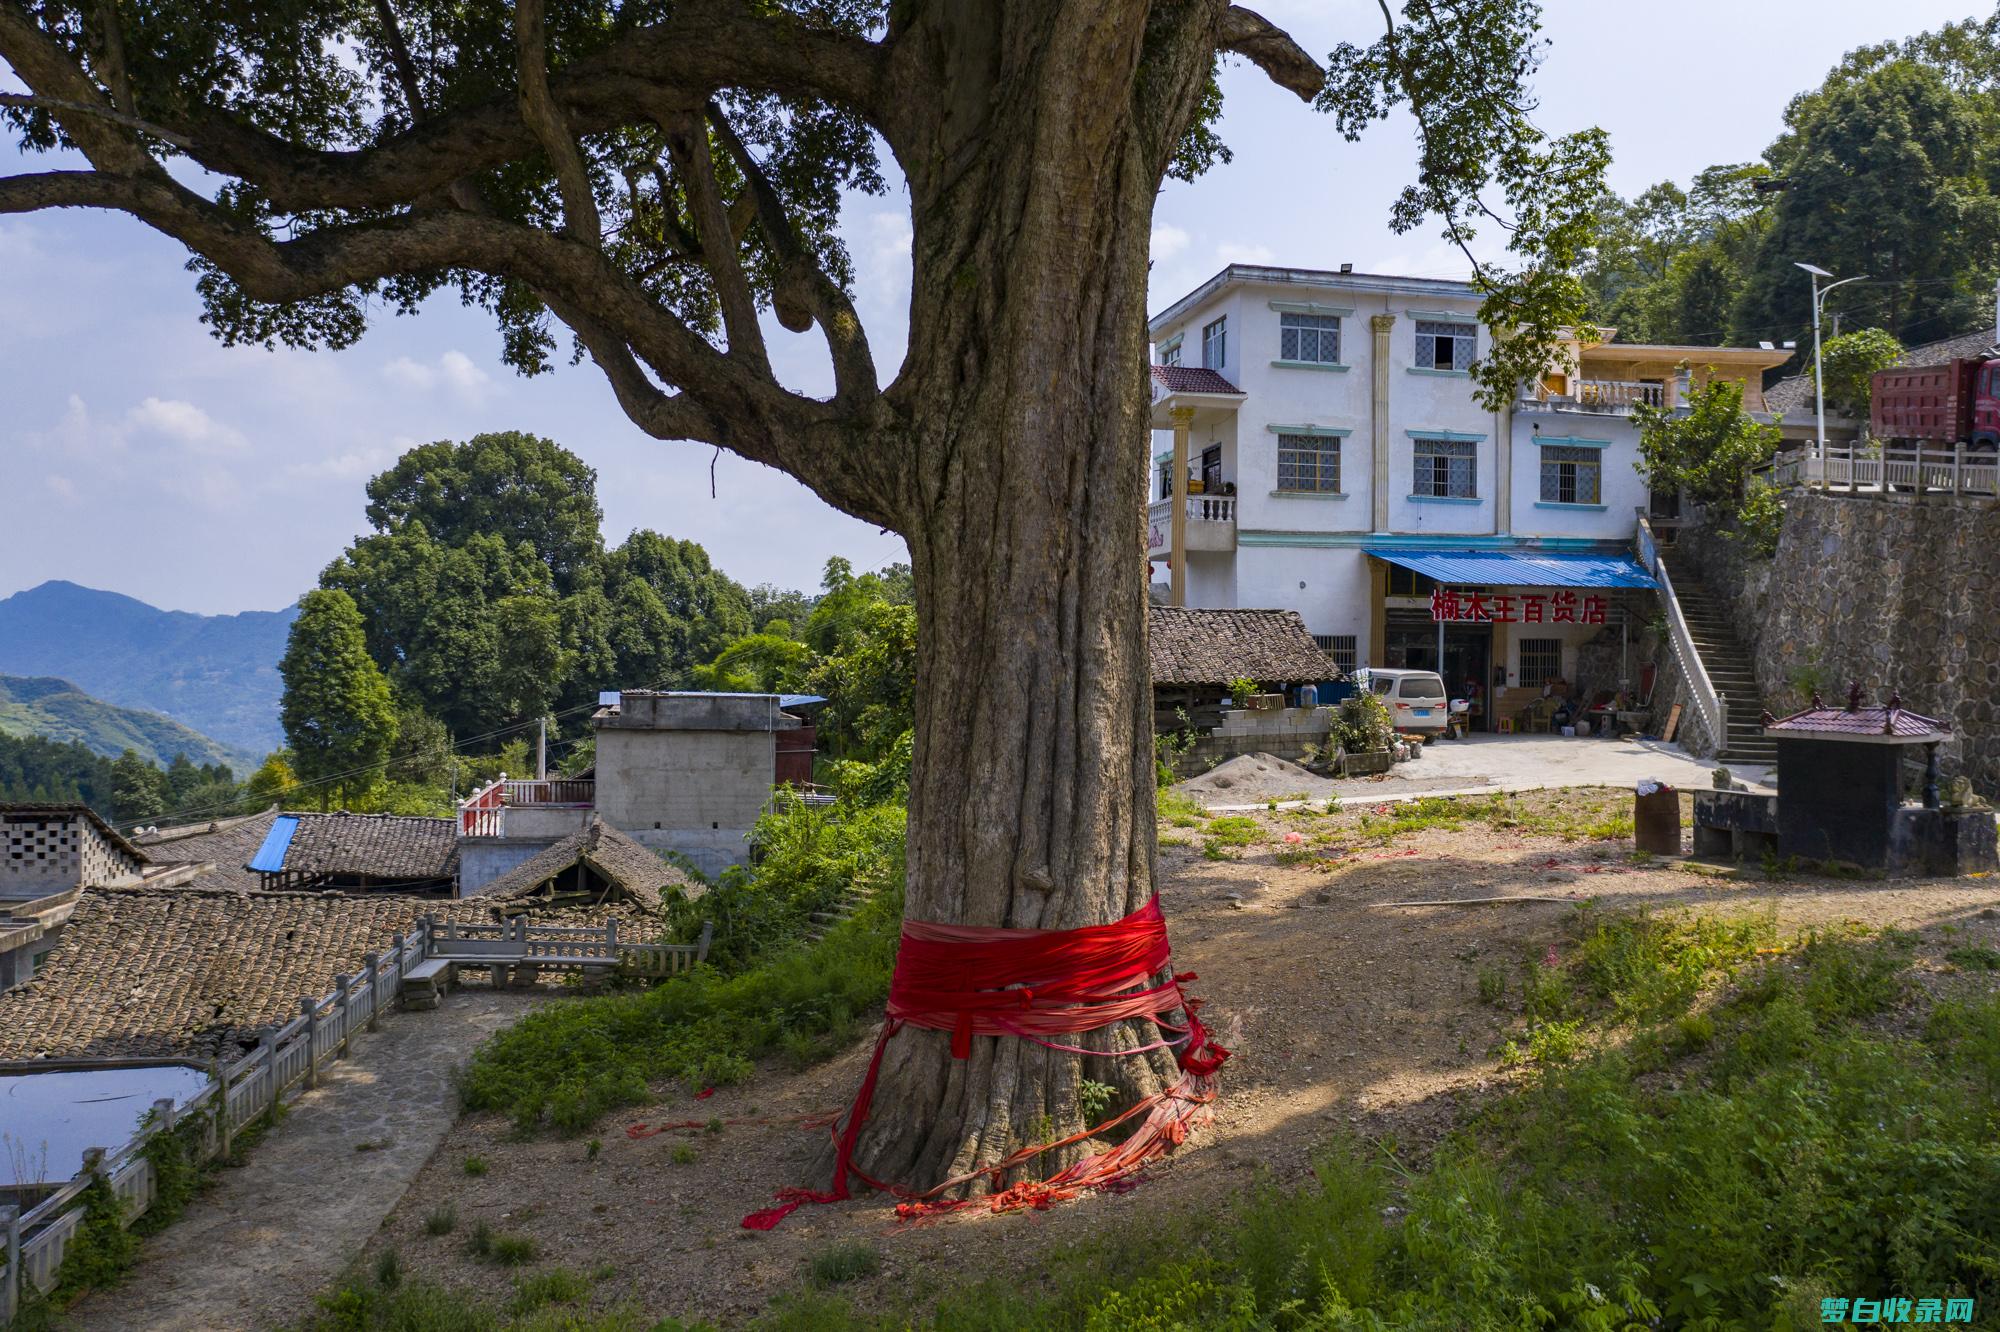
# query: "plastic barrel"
(1656, 822)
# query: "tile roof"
(1212, 647)
(192, 972)
(72, 810)
(385, 846)
(226, 843)
(1886, 722)
(638, 872)
(1192, 379)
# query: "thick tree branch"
(105, 113)
(1271, 49)
(803, 287)
(707, 45)
(688, 144)
(539, 109)
(86, 115)
(116, 75)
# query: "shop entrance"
(1468, 659)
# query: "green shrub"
(511, 1250)
(441, 1221)
(683, 1153)
(475, 1166)
(1364, 724)
(1492, 985)
(538, 1290)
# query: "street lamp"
(1819, 377)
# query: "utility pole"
(542, 751)
(1819, 375)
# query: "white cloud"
(1168, 240)
(187, 424)
(1230, 252)
(61, 487)
(453, 370)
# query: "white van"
(1416, 699)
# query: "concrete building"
(1339, 465)
(676, 771)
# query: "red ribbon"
(1034, 984)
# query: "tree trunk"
(1031, 802)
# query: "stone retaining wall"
(1891, 590)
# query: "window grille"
(1309, 464)
(1541, 661)
(1345, 649)
(1443, 346)
(1309, 337)
(1571, 475)
(1444, 469)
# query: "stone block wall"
(1895, 591)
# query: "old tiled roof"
(72, 810)
(228, 844)
(1192, 379)
(1214, 647)
(1793, 395)
(637, 872)
(381, 846)
(192, 972)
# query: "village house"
(676, 771)
(49, 855)
(1197, 656)
(1338, 464)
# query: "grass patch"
(538, 1290)
(441, 1221)
(1974, 958)
(1571, 815)
(566, 1065)
(1234, 831)
(1181, 811)
(475, 1166)
(843, 1263)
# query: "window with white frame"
(1215, 343)
(1345, 649)
(1171, 353)
(1541, 661)
(1309, 464)
(1443, 345)
(1571, 474)
(1311, 338)
(1444, 469)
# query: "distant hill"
(215, 673)
(57, 710)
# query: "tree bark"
(1031, 802)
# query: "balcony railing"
(1211, 523)
(562, 792)
(1619, 394)
(484, 812)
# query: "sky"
(138, 454)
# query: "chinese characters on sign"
(1565, 607)
(1895, 1309)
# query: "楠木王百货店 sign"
(1563, 607)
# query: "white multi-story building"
(1341, 466)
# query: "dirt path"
(254, 1249)
(1346, 1016)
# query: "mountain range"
(57, 710)
(216, 674)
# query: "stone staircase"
(1729, 667)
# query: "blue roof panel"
(1524, 568)
(270, 857)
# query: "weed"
(1974, 958)
(1093, 1099)
(441, 1221)
(480, 1242)
(511, 1250)
(1692, 1032)
(475, 1166)
(1234, 830)
(1218, 851)
(388, 1269)
(682, 1154)
(714, 1125)
(1180, 810)
(1492, 985)
(593, 1149)
(538, 1290)
(844, 1263)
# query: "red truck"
(1954, 403)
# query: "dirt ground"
(1345, 1014)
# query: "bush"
(844, 1263)
(442, 1221)
(1364, 724)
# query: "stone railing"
(1915, 469)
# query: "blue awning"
(270, 857)
(1525, 568)
(800, 700)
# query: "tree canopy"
(1889, 169)
(337, 714)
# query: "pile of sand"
(1251, 778)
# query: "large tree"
(656, 175)
(339, 722)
